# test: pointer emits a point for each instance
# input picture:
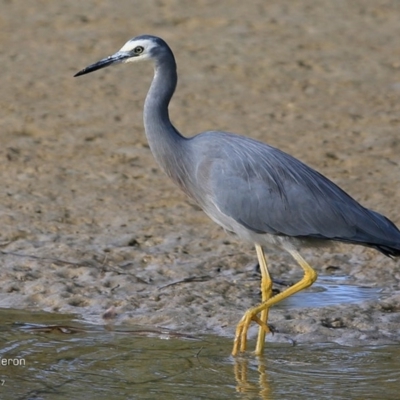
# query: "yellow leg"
(266, 292)
(251, 315)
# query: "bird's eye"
(138, 49)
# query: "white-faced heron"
(256, 191)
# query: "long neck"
(166, 143)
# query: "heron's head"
(139, 48)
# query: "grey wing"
(268, 191)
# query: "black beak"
(105, 62)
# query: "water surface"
(67, 359)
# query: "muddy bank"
(89, 221)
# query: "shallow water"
(67, 359)
(329, 291)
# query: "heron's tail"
(388, 250)
(382, 235)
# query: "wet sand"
(90, 222)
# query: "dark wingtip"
(388, 251)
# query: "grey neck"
(166, 143)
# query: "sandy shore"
(89, 221)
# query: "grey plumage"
(254, 190)
(268, 191)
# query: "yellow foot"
(240, 342)
(308, 279)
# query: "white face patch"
(147, 44)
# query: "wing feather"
(269, 191)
